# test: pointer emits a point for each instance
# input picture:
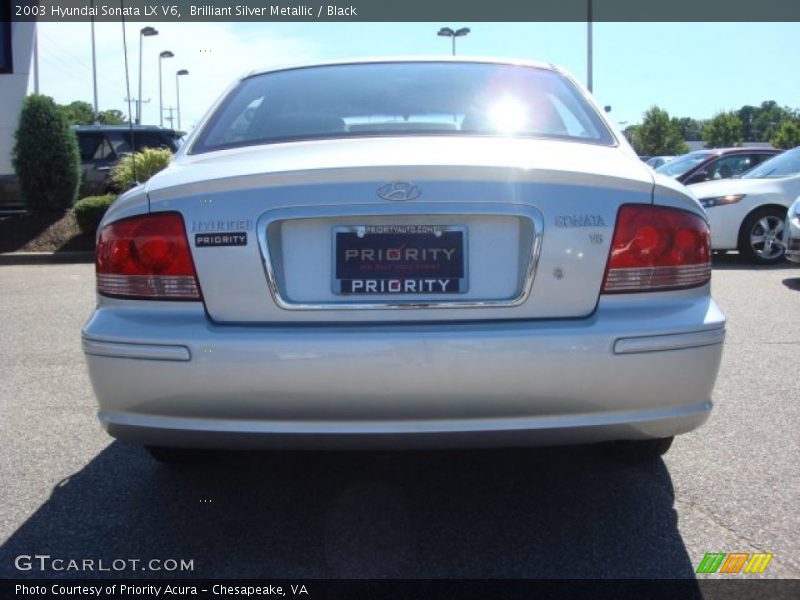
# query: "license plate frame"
(388, 276)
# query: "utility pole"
(138, 103)
(170, 118)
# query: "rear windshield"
(402, 99)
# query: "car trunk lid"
(531, 221)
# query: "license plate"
(400, 259)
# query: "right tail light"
(657, 248)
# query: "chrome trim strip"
(658, 343)
(383, 211)
(138, 351)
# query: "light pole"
(94, 73)
(178, 93)
(164, 54)
(589, 66)
(453, 34)
(35, 59)
(143, 32)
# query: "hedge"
(89, 211)
(45, 156)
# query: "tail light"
(148, 257)
(658, 248)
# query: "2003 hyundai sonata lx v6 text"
(404, 253)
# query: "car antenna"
(135, 181)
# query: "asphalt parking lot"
(70, 491)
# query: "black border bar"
(444, 11)
(505, 589)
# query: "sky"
(690, 69)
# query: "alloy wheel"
(765, 237)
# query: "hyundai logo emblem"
(399, 190)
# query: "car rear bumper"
(792, 244)
(166, 375)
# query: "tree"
(691, 129)
(658, 134)
(631, 133)
(45, 156)
(724, 130)
(788, 136)
(747, 115)
(111, 117)
(768, 119)
(82, 113)
(79, 113)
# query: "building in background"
(16, 49)
(701, 145)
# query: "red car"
(718, 163)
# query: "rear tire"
(760, 235)
(643, 450)
(178, 456)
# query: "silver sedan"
(406, 253)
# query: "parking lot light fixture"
(143, 33)
(178, 93)
(164, 54)
(453, 34)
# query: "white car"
(748, 214)
(387, 253)
(654, 162)
(791, 232)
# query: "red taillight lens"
(657, 248)
(146, 257)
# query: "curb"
(46, 258)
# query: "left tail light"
(146, 257)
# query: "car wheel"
(178, 456)
(759, 238)
(642, 450)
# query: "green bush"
(45, 156)
(148, 162)
(788, 136)
(90, 210)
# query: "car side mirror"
(698, 177)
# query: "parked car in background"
(656, 161)
(423, 253)
(103, 145)
(748, 213)
(791, 232)
(720, 163)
